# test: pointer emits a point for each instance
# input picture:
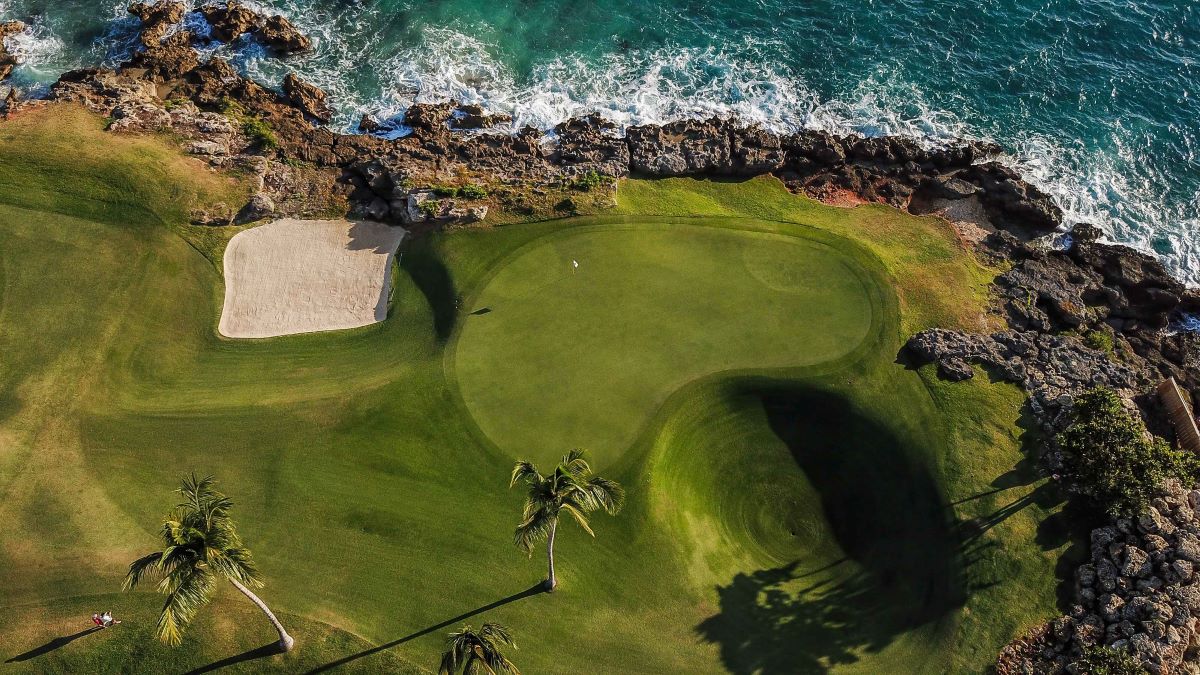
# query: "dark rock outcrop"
(686, 147)
(157, 18)
(591, 144)
(472, 116)
(279, 34)
(1012, 200)
(229, 20)
(8, 61)
(1051, 368)
(309, 99)
(167, 60)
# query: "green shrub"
(444, 190)
(1099, 340)
(1110, 458)
(430, 207)
(473, 191)
(1108, 661)
(228, 106)
(260, 132)
(589, 181)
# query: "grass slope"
(375, 504)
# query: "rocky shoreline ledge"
(1077, 316)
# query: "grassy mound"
(830, 510)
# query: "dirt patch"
(302, 276)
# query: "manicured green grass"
(798, 501)
(597, 348)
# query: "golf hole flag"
(575, 263)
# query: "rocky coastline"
(1051, 300)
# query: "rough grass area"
(59, 159)
(823, 509)
(935, 277)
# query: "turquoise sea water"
(1097, 100)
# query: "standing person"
(108, 619)
(97, 620)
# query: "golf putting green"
(579, 337)
(798, 502)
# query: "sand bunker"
(301, 276)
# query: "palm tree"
(571, 488)
(477, 653)
(200, 547)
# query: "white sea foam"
(35, 49)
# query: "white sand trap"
(301, 276)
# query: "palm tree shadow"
(50, 646)
(536, 589)
(270, 649)
(885, 509)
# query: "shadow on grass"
(50, 646)
(256, 653)
(435, 282)
(536, 589)
(887, 513)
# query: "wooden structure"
(1186, 433)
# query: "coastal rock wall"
(1139, 591)
(1097, 314)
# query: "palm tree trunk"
(285, 641)
(551, 580)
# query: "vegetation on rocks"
(589, 181)
(1111, 459)
(1108, 661)
(259, 131)
(1100, 340)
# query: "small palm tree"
(571, 488)
(472, 653)
(200, 547)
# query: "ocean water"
(1098, 101)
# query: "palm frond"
(482, 657)
(524, 471)
(579, 518)
(143, 566)
(573, 464)
(195, 491)
(188, 593)
(449, 663)
(478, 652)
(507, 666)
(497, 633)
(532, 530)
(607, 494)
(234, 563)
